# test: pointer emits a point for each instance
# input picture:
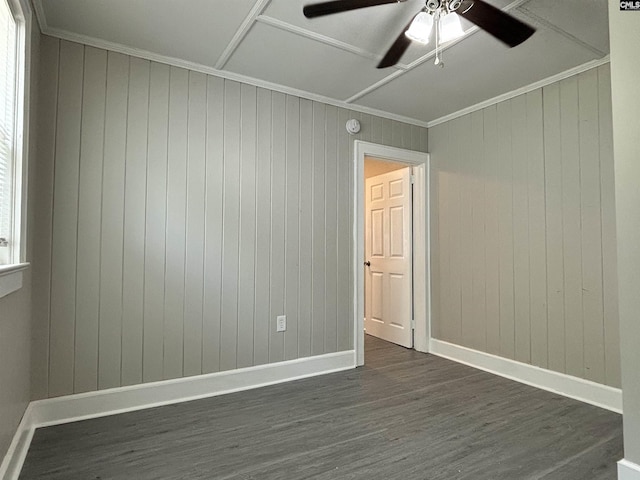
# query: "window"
(8, 120)
(15, 32)
(13, 102)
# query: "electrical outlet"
(281, 323)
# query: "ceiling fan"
(441, 14)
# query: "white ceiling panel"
(288, 59)
(476, 69)
(584, 19)
(193, 30)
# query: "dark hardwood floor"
(405, 415)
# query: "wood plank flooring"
(405, 415)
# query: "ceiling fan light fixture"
(450, 27)
(420, 28)
(439, 13)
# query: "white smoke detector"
(353, 126)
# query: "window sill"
(11, 278)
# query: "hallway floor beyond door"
(405, 415)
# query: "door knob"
(367, 263)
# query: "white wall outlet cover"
(353, 126)
(281, 323)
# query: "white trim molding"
(83, 406)
(566, 385)
(17, 245)
(11, 278)
(256, 16)
(242, 31)
(14, 459)
(318, 37)
(628, 470)
(520, 91)
(209, 70)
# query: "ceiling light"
(420, 28)
(450, 27)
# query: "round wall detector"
(353, 126)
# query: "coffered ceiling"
(333, 58)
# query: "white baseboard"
(628, 470)
(14, 458)
(71, 408)
(577, 388)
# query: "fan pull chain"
(438, 60)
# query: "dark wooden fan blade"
(501, 25)
(337, 6)
(395, 52)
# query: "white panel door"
(388, 288)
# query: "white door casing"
(388, 256)
(421, 252)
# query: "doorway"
(388, 248)
(411, 170)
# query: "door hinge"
(413, 324)
(413, 179)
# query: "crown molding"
(520, 91)
(197, 67)
(550, 26)
(256, 16)
(40, 15)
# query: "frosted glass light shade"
(450, 27)
(420, 28)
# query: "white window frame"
(11, 274)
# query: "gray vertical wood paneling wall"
(187, 211)
(523, 229)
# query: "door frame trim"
(420, 241)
